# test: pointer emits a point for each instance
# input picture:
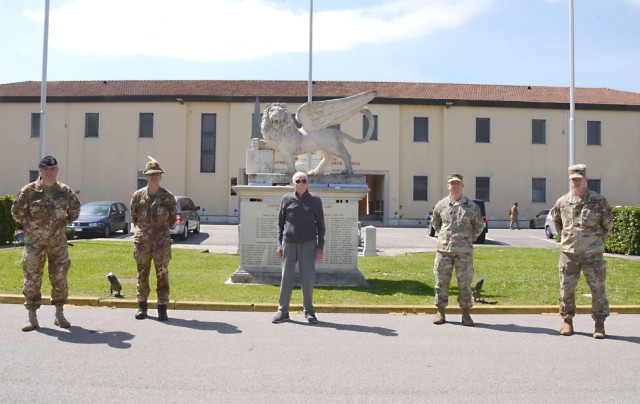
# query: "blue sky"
(520, 42)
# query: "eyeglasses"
(304, 181)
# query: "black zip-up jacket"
(301, 219)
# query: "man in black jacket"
(301, 232)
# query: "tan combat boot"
(599, 331)
(60, 321)
(439, 317)
(32, 323)
(567, 327)
(466, 318)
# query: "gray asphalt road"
(240, 357)
(224, 238)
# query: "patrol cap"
(152, 167)
(577, 171)
(48, 161)
(454, 177)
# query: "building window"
(420, 188)
(483, 188)
(146, 125)
(539, 131)
(538, 190)
(35, 125)
(208, 144)
(141, 182)
(483, 133)
(593, 185)
(91, 124)
(365, 127)
(33, 175)
(594, 133)
(420, 129)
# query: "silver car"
(539, 220)
(549, 226)
(187, 218)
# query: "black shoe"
(311, 318)
(280, 317)
(141, 314)
(162, 312)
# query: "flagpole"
(43, 86)
(310, 81)
(572, 93)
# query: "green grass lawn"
(513, 276)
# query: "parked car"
(538, 220)
(549, 226)
(187, 218)
(483, 211)
(102, 218)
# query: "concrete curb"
(320, 308)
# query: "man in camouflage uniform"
(44, 208)
(458, 223)
(153, 212)
(513, 215)
(583, 218)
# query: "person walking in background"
(458, 223)
(583, 218)
(153, 212)
(301, 231)
(513, 215)
(44, 208)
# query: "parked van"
(187, 218)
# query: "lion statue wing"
(317, 115)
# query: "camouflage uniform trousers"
(56, 252)
(158, 249)
(595, 272)
(443, 271)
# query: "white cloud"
(227, 30)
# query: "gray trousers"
(304, 254)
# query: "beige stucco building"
(509, 142)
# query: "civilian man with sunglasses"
(301, 232)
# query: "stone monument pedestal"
(259, 208)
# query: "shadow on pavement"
(385, 332)
(222, 328)
(633, 340)
(517, 328)
(79, 335)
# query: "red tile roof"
(388, 92)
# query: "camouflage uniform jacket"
(153, 216)
(45, 212)
(583, 222)
(458, 224)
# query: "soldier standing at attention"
(153, 212)
(458, 223)
(513, 215)
(583, 218)
(44, 208)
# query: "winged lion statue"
(281, 134)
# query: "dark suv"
(187, 218)
(483, 211)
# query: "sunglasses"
(304, 181)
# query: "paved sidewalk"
(240, 357)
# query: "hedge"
(624, 237)
(8, 225)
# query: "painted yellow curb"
(320, 308)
